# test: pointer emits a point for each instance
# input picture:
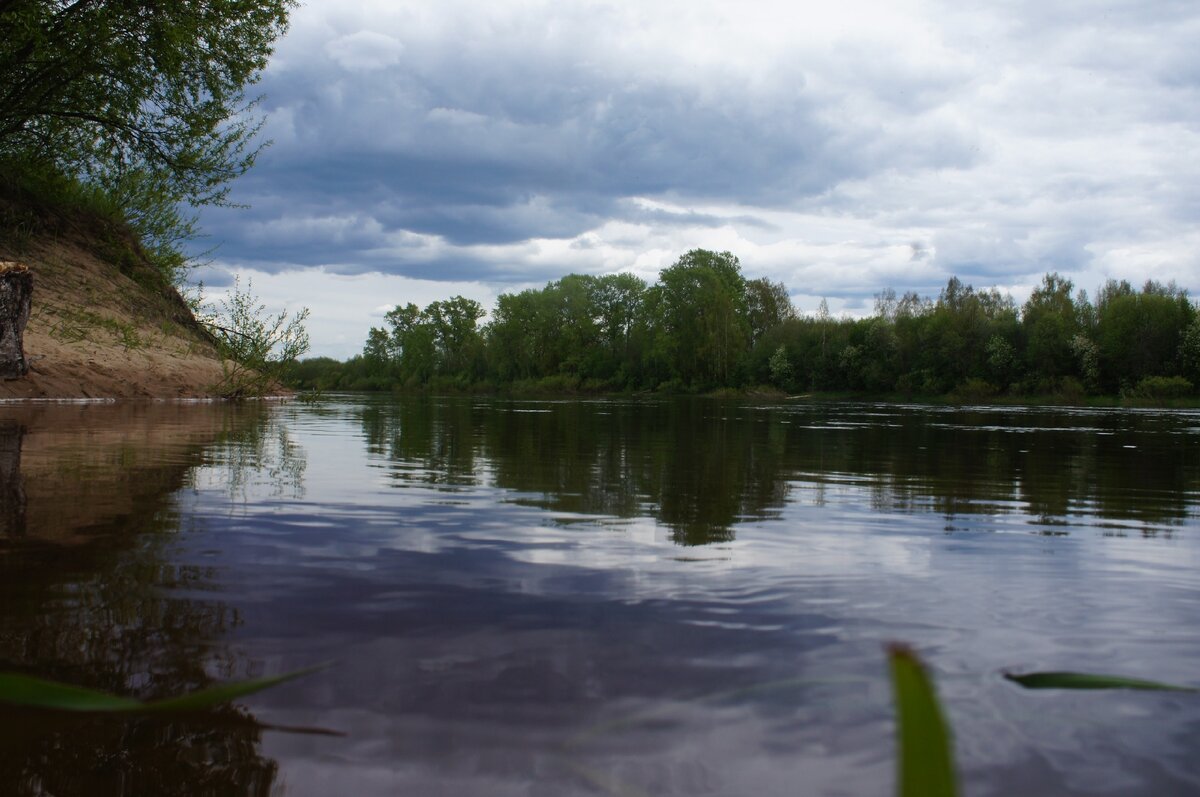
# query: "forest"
(703, 326)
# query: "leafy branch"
(256, 346)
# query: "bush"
(258, 349)
(1163, 387)
(1070, 390)
(973, 390)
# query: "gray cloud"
(514, 143)
(500, 143)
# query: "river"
(625, 597)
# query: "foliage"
(701, 317)
(1050, 320)
(1189, 351)
(1139, 334)
(441, 340)
(143, 102)
(781, 368)
(258, 348)
(702, 327)
(1163, 387)
(1087, 355)
(1079, 680)
(767, 306)
(973, 390)
(25, 690)
(104, 89)
(925, 762)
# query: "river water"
(615, 597)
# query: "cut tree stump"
(16, 297)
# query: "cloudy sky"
(428, 149)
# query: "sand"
(97, 330)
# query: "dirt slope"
(103, 323)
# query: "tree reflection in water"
(91, 596)
(701, 466)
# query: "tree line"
(704, 326)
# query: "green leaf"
(926, 765)
(25, 690)
(1082, 680)
(223, 693)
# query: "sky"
(422, 150)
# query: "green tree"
(456, 335)
(510, 336)
(702, 326)
(106, 88)
(1139, 334)
(1189, 351)
(767, 305)
(412, 346)
(618, 301)
(573, 317)
(781, 368)
(1001, 360)
(144, 101)
(1050, 320)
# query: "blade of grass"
(1082, 680)
(925, 763)
(26, 690)
(223, 693)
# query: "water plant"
(26, 690)
(925, 762)
(1083, 680)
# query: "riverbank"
(773, 395)
(104, 322)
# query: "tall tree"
(136, 94)
(1050, 320)
(455, 326)
(767, 305)
(703, 325)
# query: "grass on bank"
(129, 228)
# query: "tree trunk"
(16, 297)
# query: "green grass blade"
(926, 765)
(223, 693)
(1082, 680)
(24, 690)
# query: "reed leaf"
(1083, 680)
(25, 690)
(925, 761)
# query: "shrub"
(1070, 390)
(258, 349)
(973, 390)
(1163, 387)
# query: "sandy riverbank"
(97, 330)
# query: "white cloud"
(365, 50)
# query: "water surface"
(596, 597)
